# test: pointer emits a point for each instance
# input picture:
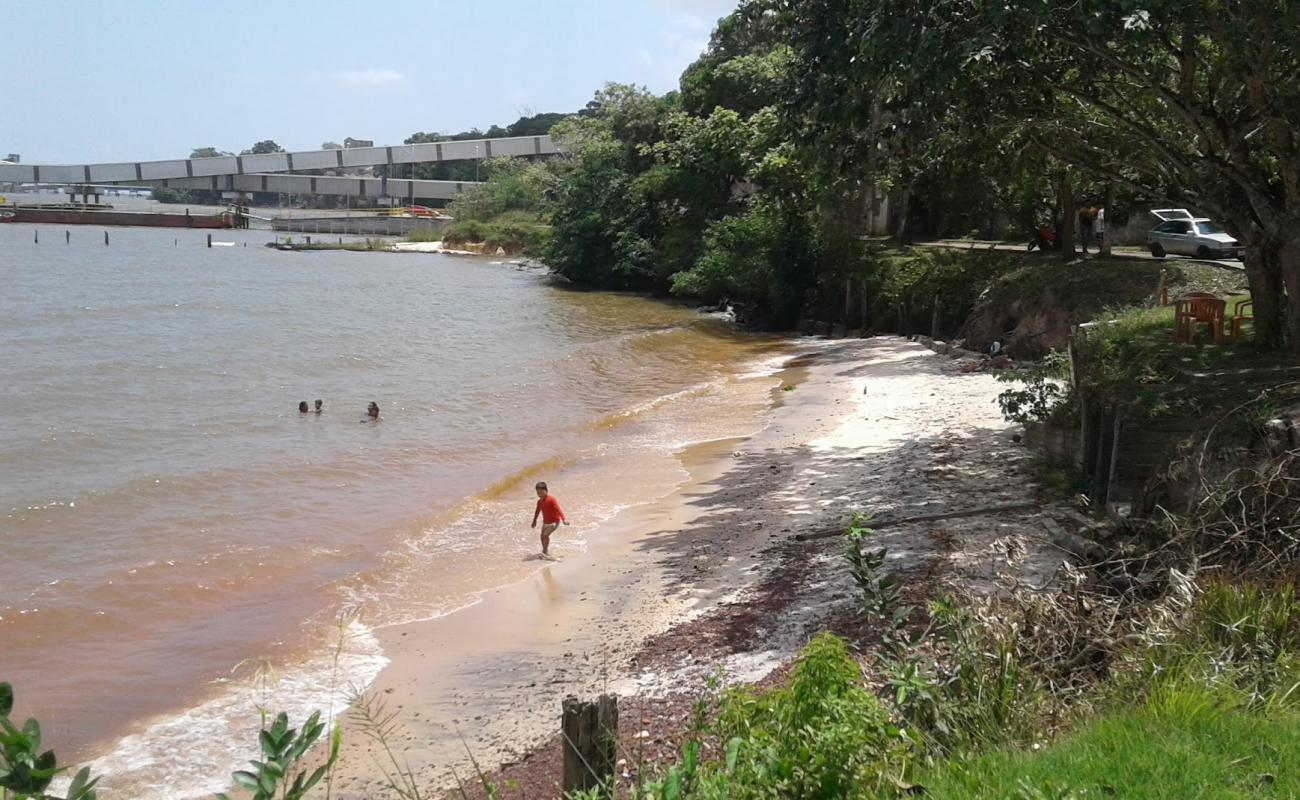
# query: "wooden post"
(67, 237)
(590, 740)
(209, 241)
(36, 237)
(106, 238)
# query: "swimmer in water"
(318, 405)
(302, 407)
(372, 412)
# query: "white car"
(1182, 234)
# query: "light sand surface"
(880, 425)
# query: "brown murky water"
(166, 512)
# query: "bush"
(25, 771)
(820, 736)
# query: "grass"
(1132, 357)
(424, 235)
(962, 278)
(1186, 745)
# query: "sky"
(132, 80)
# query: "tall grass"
(424, 235)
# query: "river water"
(166, 514)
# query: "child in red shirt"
(549, 510)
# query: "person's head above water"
(541, 488)
(302, 407)
(318, 404)
(372, 410)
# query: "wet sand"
(713, 576)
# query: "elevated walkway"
(159, 172)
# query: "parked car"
(1182, 234)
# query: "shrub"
(25, 771)
(820, 736)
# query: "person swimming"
(302, 407)
(372, 412)
(318, 405)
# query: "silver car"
(1182, 234)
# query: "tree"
(208, 152)
(1180, 102)
(262, 147)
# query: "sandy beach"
(718, 576)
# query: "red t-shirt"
(549, 508)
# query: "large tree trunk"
(1289, 267)
(1273, 270)
(1067, 218)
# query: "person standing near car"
(1099, 229)
(1086, 215)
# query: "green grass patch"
(514, 232)
(424, 235)
(1185, 745)
(1130, 357)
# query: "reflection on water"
(167, 512)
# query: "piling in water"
(106, 238)
(209, 241)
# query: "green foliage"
(283, 749)
(208, 152)
(917, 278)
(513, 237)
(1239, 640)
(1188, 745)
(880, 592)
(264, 146)
(1135, 95)
(1039, 395)
(26, 771)
(821, 735)
(165, 194)
(510, 184)
(424, 235)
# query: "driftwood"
(590, 732)
(877, 524)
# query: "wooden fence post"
(590, 734)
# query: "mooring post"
(590, 741)
(106, 238)
(67, 237)
(209, 241)
(36, 237)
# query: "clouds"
(369, 78)
(683, 36)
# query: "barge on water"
(104, 214)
